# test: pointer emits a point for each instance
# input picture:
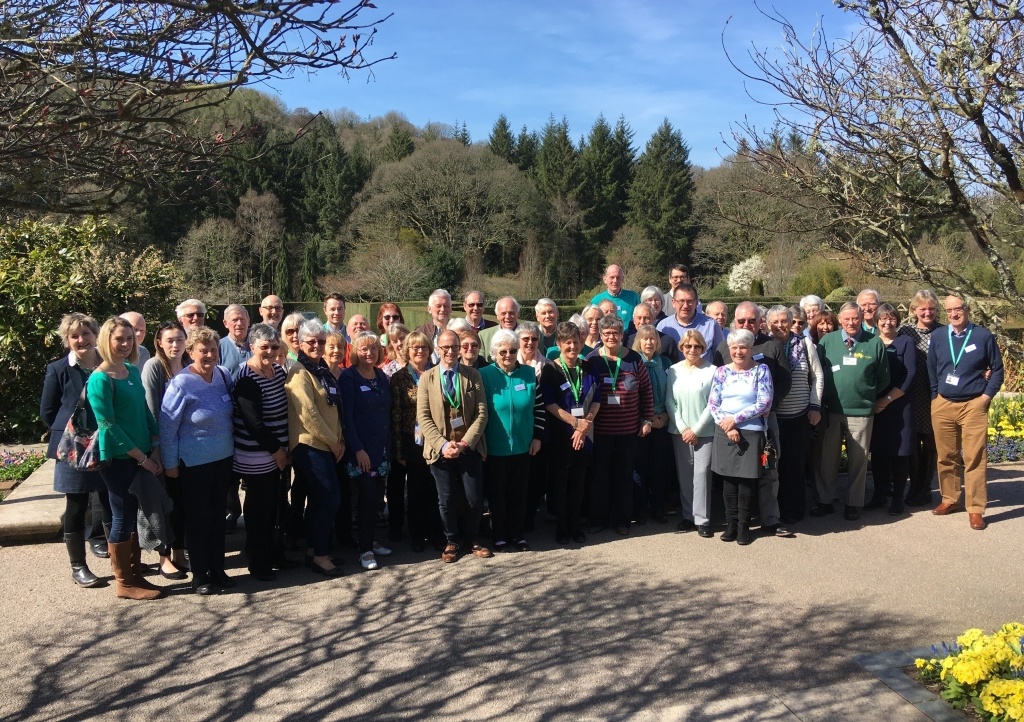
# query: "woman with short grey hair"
(502, 338)
(654, 298)
(530, 353)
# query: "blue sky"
(472, 61)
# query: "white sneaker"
(368, 561)
(380, 549)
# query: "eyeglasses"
(193, 314)
(389, 317)
(611, 334)
(691, 346)
(275, 347)
(447, 349)
(272, 308)
(528, 339)
(315, 341)
(290, 331)
(469, 346)
(474, 305)
(684, 301)
(746, 321)
(506, 352)
(419, 349)
(955, 309)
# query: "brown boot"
(140, 581)
(124, 579)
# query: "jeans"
(124, 507)
(465, 471)
(205, 490)
(318, 469)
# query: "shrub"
(818, 277)
(48, 270)
(743, 274)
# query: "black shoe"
(851, 513)
(875, 503)
(222, 580)
(704, 530)
(177, 575)
(337, 571)
(522, 545)
(579, 537)
(731, 531)
(743, 535)
(83, 576)
(98, 547)
(284, 563)
(769, 529)
(686, 525)
(822, 510)
(206, 589)
(659, 518)
(896, 508)
(417, 545)
(267, 576)
(622, 530)
(561, 537)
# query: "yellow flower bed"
(1006, 418)
(986, 670)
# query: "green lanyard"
(618, 365)
(576, 387)
(957, 357)
(458, 389)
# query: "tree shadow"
(547, 636)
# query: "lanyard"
(576, 387)
(458, 386)
(957, 357)
(414, 374)
(618, 365)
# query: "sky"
(462, 61)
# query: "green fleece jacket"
(853, 377)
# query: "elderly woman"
(469, 349)
(197, 441)
(128, 439)
(924, 321)
(892, 435)
(366, 408)
(290, 335)
(393, 356)
(547, 322)
(336, 353)
(627, 411)
(407, 448)
(740, 401)
(812, 306)
(168, 362)
(261, 446)
(799, 323)
(571, 390)
(824, 322)
(692, 430)
(316, 441)
(515, 427)
(653, 459)
(798, 412)
(530, 354)
(654, 298)
(62, 388)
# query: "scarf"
(323, 374)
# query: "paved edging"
(888, 667)
(31, 513)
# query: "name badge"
(457, 422)
(758, 356)
(953, 380)
(226, 398)
(849, 360)
(970, 348)
(577, 411)
(611, 400)
(417, 436)
(519, 387)
(565, 386)
(609, 380)
(332, 390)
(364, 388)
(835, 368)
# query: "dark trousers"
(568, 473)
(262, 492)
(205, 489)
(466, 473)
(422, 510)
(366, 509)
(507, 482)
(650, 493)
(124, 507)
(923, 462)
(395, 493)
(232, 502)
(343, 516)
(296, 519)
(740, 496)
(886, 470)
(176, 519)
(539, 483)
(77, 508)
(318, 469)
(794, 441)
(97, 518)
(283, 507)
(611, 497)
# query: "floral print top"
(744, 395)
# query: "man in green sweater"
(855, 371)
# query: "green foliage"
(981, 273)
(48, 270)
(840, 295)
(757, 288)
(399, 144)
(501, 142)
(527, 145)
(309, 290)
(445, 269)
(557, 170)
(818, 277)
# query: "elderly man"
(234, 348)
(138, 323)
(720, 312)
(439, 306)
(507, 310)
(856, 370)
(191, 314)
(625, 301)
(771, 352)
(451, 411)
(686, 318)
(473, 305)
(272, 311)
(355, 324)
(546, 312)
(958, 359)
(643, 315)
(334, 313)
(867, 302)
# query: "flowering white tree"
(744, 273)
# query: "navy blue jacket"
(980, 354)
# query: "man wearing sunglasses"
(473, 304)
(191, 314)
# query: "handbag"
(79, 446)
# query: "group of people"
(639, 404)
